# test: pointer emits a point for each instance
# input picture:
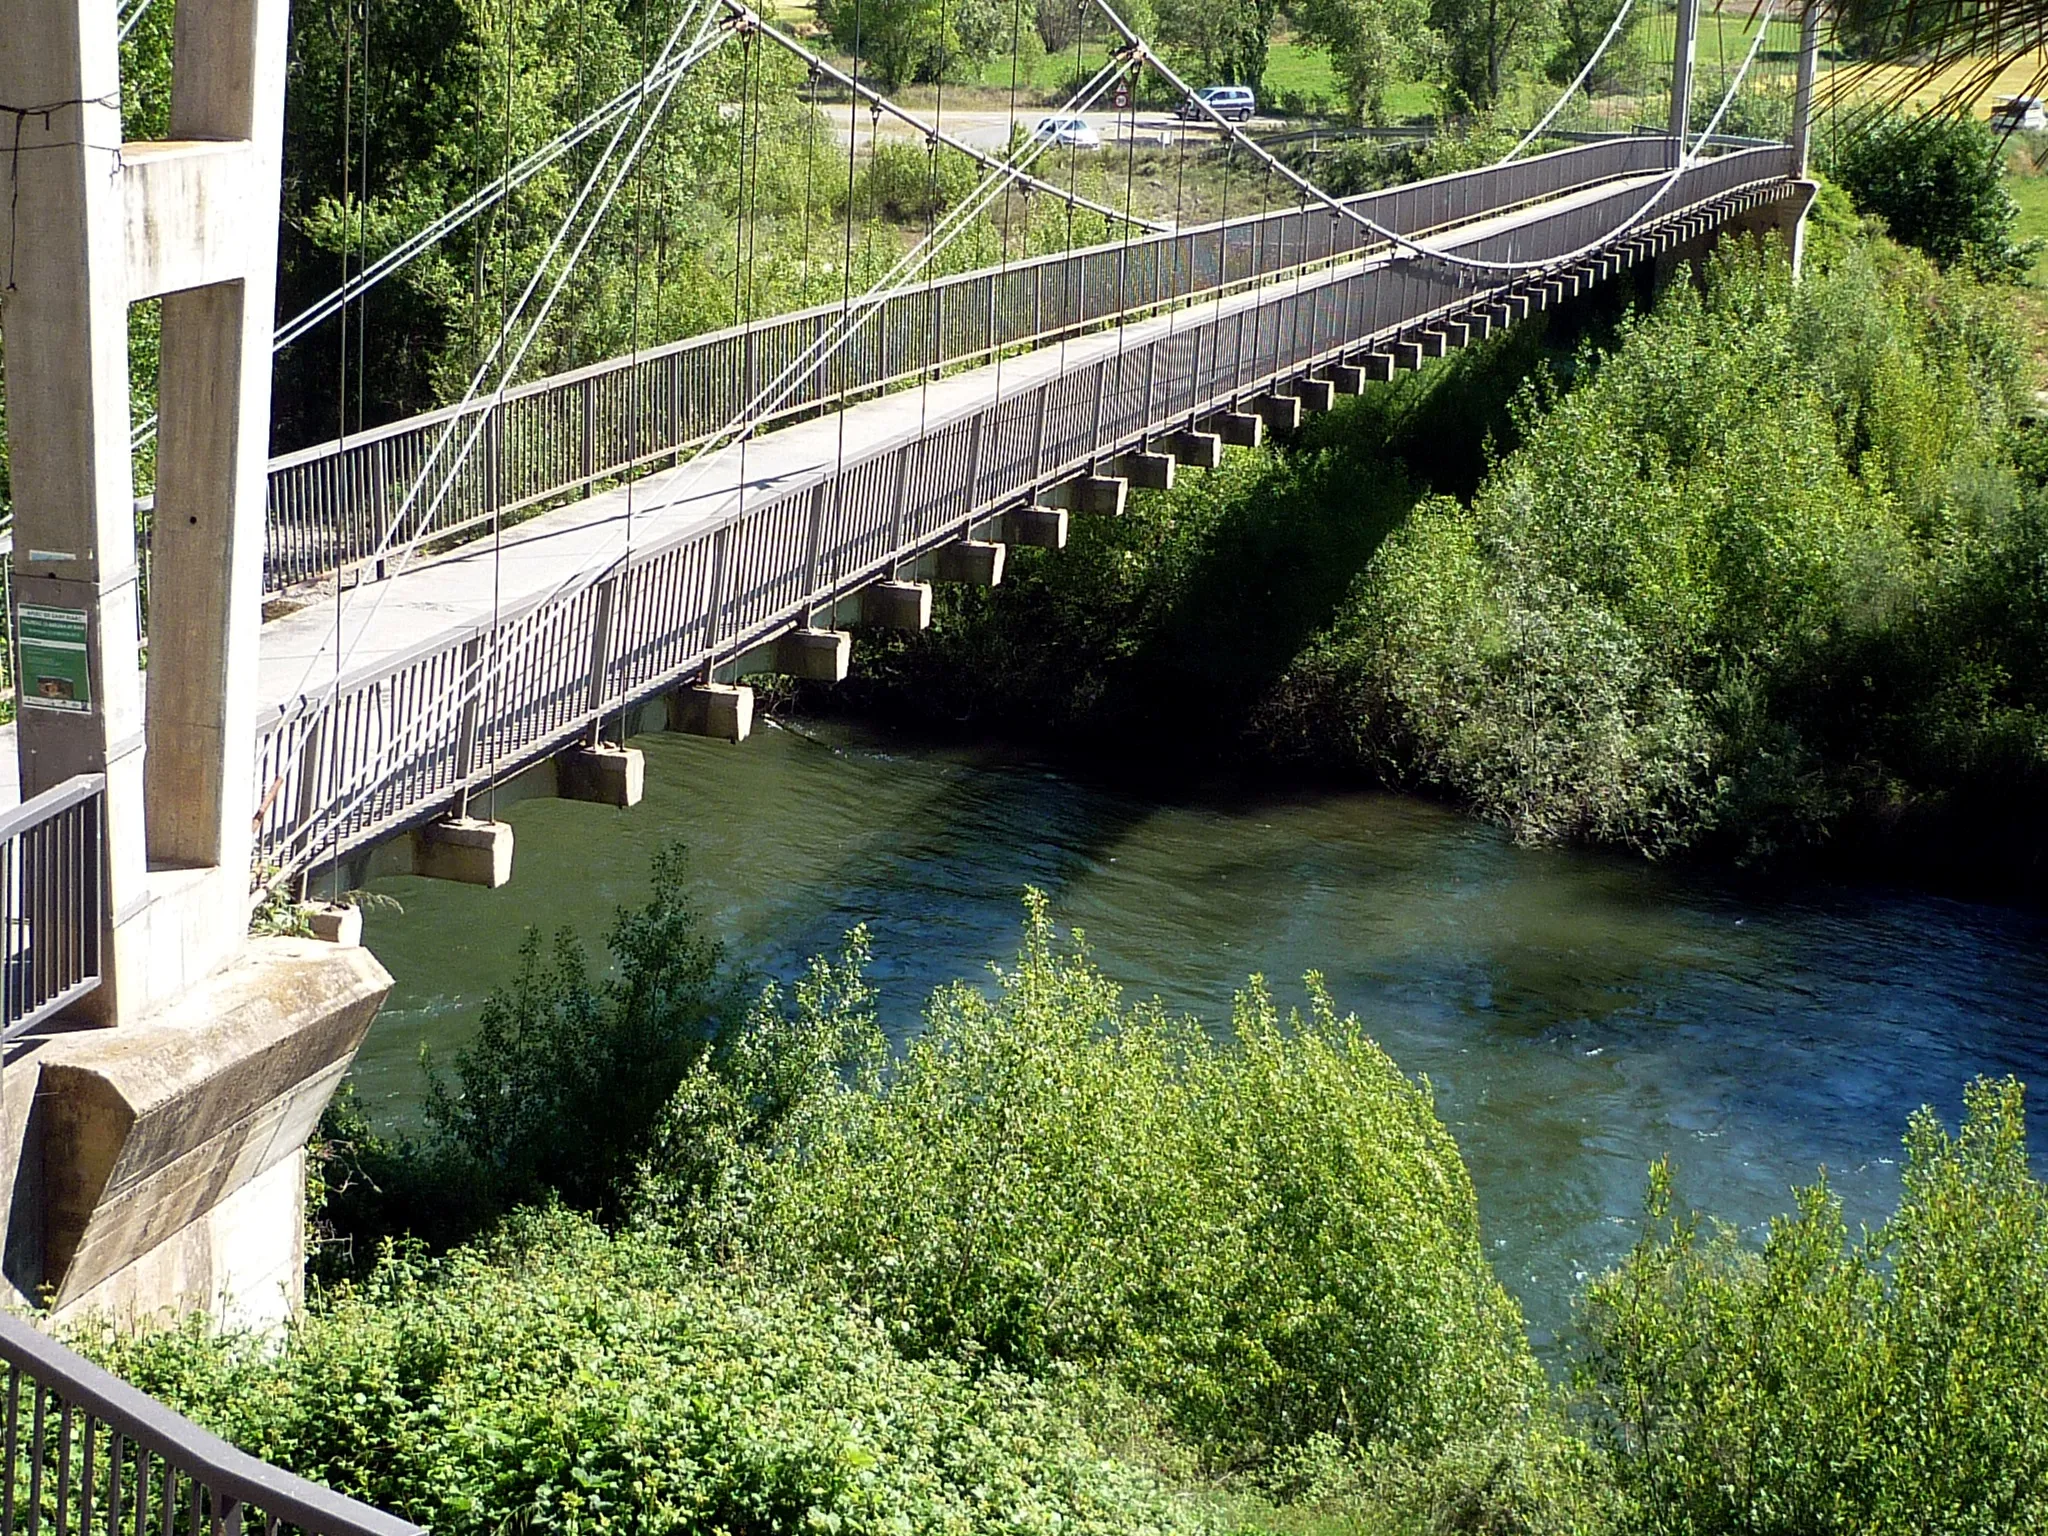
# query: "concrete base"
(1240, 429)
(1147, 471)
(1407, 354)
(1378, 366)
(1036, 527)
(1282, 413)
(158, 1169)
(721, 710)
(602, 775)
(335, 925)
(972, 562)
(464, 850)
(897, 605)
(1314, 394)
(1347, 378)
(1198, 450)
(1098, 495)
(815, 655)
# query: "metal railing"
(52, 896)
(89, 1455)
(392, 742)
(336, 504)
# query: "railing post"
(470, 720)
(589, 401)
(1802, 99)
(1681, 69)
(601, 643)
(820, 497)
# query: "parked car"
(2027, 114)
(1068, 132)
(1232, 103)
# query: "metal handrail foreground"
(52, 880)
(89, 1455)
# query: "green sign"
(54, 674)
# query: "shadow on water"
(1577, 1015)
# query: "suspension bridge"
(493, 597)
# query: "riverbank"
(1750, 580)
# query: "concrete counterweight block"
(1036, 527)
(1379, 366)
(897, 605)
(1457, 333)
(603, 775)
(815, 655)
(1147, 471)
(972, 562)
(1314, 394)
(1100, 495)
(1198, 450)
(465, 850)
(1408, 354)
(723, 711)
(1347, 378)
(1435, 343)
(1240, 429)
(1282, 413)
(332, 924)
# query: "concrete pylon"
(100, 225)
(157, 1167)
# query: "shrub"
(1708, 594)
(1886, 1384)
(560, 1379)
(1937, 182)
(1271, 1239)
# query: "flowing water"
(1578, 1015)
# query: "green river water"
(1578, 1015)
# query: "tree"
(1225, 41)
(1938, 185)
(1371, 44)
(1486, 41)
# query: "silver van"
(1232, 103)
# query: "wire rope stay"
(1416, 248)
(1613, 30)
(425, 721)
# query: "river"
(1578, 1015)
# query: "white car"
(1067, 133)
(2026, 114)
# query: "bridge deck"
(558, 552)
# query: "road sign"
(1122, 98)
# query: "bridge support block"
(723, 711)
(602, 775)
(1316, 395)
(1036, 527)
(1282, 413)
(332, 924)
(815, 655)
(1378, 366)
(972, 562)
(1240, 429)
(1198, 450)
(464, 850)
(1408, 354)
(1147, 471)
(1435, 342)
(1457, 333)
(897, 605)
(1099, 495)
(1347, 378)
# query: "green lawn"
(2031, 193)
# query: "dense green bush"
(561, 1379)
(1271, 1240)
(1891, 1383)
(1938, 184)
(557, 1094)
(1714, 591)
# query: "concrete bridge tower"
(155, 1156)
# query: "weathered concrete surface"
(1036, 527)
(160, 1163)
(897, 605)
(603, 775)
(971, 562)
(721, 710)
(465, 850)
